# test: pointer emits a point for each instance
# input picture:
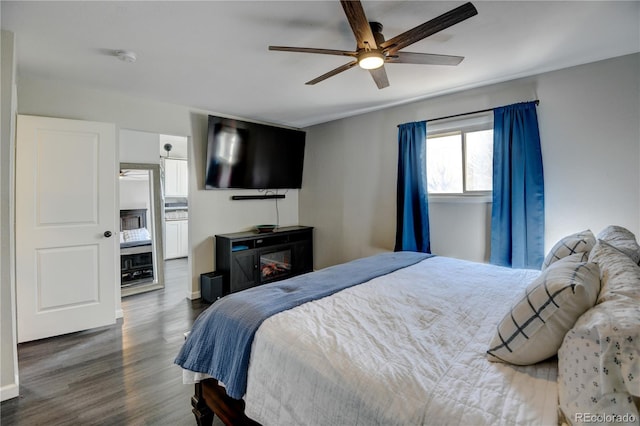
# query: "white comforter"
(407, 348)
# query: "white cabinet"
(176, 180)
(176, 239)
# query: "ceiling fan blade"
(333, 72)
(359, 24)
(313, 50)
(423, 59)
(380, 77)
(431, 27)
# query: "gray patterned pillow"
(533, 329)
(580, 242)
(622, 239)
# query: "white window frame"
(469, 123)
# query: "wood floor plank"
(117, 375)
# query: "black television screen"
(253, 156)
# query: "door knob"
(107, 234)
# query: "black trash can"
(211, 286)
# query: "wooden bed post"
(204, 415)
(211, 399)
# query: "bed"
(136, 249)
(411, 339)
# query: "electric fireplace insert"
(274, 265)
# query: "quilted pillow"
(622, 239)
(598, 367)
(533, 329)
(580, 242)
(140, 234)
(619, 274)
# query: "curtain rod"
(469, 113)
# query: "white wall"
(590, 129)
(588, 118)
(8, 342)
(139, 147)
(461, 229)
(210, 212)
(135, 194)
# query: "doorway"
(141, 243)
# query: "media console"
(248, 259)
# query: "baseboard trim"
(9, 392)
(119, 313)
(193, 295)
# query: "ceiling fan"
(132, 174)
(373, 51)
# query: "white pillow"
(580, 242)
(599, 364)
(619, 274)
(622, 239)
(533, 329)
(598, 368)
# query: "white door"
(66, 226)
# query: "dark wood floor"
(118, 375)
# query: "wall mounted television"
(253, 156)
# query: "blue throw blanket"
(220, 341)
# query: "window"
(460, 158)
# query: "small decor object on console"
(263, 229)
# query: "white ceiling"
(213, 55)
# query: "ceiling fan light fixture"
(370, 60)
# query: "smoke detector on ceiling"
(126, 56)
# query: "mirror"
(141, 248)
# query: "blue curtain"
(517, 218)
(412, 228)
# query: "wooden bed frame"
(133, 219)
(211, 399)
